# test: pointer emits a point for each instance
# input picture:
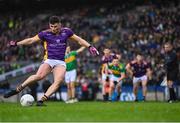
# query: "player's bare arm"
(27, 41)
(80, 50)
(81, 41)
(128, 68)
(106, 70)
(122, 76)
(149, 73)
(84, 43)
(103, 69)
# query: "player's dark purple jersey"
(108, 59)
(139, 69)
(55, 45)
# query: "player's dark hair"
(168, 43)
(139, 53)
(54, 19)
(115, 57)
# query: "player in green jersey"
(71, 73)
(117, 74)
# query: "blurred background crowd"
(125, 28)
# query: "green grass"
(92, 111)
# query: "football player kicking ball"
(55, 41)
(71, 73)
(117, 75)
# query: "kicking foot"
(40, 103)
(10, 93)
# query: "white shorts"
(104, 76)
(53, 63)
(70, 76)
(115, 78)
(140, 79)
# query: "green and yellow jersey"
(117, 70)
(70, 60)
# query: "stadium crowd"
(126, 29)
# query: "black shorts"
(172, 75)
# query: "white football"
(27, 100)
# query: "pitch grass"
(91, 112)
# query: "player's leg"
(172, 95)
(69, 96)
(144, 81)
(144, 88)
(67, 80)
(135, 90)
(105, 95)
(171, 77)
(107, 89)
(118, 87)
(104, 77)
(58, 73)
(72, 84)
(135, 87)
(43, 70)
(73, 92)
(73, 89)
(111, 89)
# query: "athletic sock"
(44, 98)
(107, 96)
(19, 88)
(118, 96)
(136, 99)
(171, 93)
(144, 98)
(104, 97)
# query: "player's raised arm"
(84, 43)
(26, 41)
